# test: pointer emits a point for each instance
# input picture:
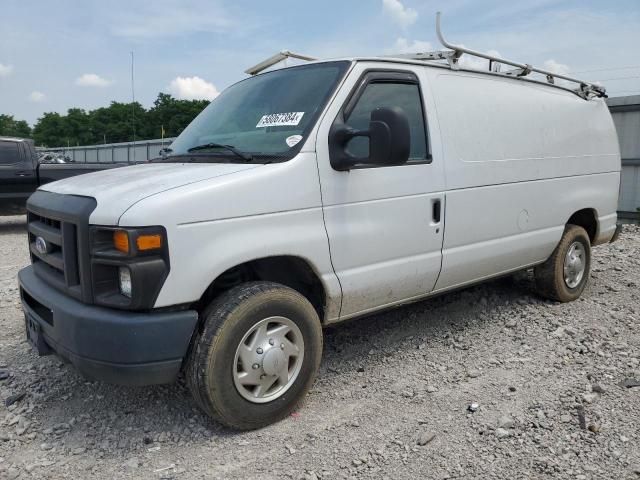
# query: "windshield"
(264, 118)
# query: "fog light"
(125, 281)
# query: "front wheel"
(256, 356)
(564, 275)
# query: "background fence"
(626, 116)
(114, 152)
(624, 110)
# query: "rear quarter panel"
(520, 158)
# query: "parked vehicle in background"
(21, 173)
(306, 196)
(53, 157)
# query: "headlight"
(121, 241)
(144, 242)
(124, 275)
(128, 266)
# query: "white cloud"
(36, 96)
(5, 70)
(92, 80)
(192, 88)
(556, 67)
(400, 14)
(402, 45)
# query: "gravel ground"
(393, 397)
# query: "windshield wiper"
(245, 156)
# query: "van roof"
(436, 64)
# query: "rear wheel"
(257, 355)
(564, 275)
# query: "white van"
(309, 195)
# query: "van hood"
(117, 189)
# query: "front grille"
(60, 262)
(62, 221)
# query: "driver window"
(389, 94)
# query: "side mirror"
(389, 140)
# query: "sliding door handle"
(436, 210)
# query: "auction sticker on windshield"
(293, 140)
(279, 119)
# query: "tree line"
(10, 127)
(107, 124)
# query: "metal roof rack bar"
(435, 55)
(452, 56)
(585, 90)
(278, 57)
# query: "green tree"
(115, 122)
(11, 127)
(77, 127)
(172, 114)
(49, 130)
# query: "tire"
(551, 281)
(240, 317)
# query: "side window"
(9, 153)
(390, 94)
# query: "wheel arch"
(586, 218)
(292, 271)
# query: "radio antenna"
(133, 109)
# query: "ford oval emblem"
(42, 246)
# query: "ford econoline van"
(308, 195)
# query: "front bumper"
(121, 347)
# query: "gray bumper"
(127, 348)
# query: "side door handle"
(24, 174)
(436, 211)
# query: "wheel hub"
(274, 361)
(574, 265)
(268, 359)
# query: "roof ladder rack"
(452, 56)
(585, 89)
(278, 57)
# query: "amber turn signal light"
(121, 241)
(149, 242)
